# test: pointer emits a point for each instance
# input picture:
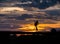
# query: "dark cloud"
(35, 3)
(50, 19)
(44, 4)
(1, 15)
(1, 1)
(54, 14)
(23, 17)
(50, 14)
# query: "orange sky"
(41, 27)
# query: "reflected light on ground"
(18, 35)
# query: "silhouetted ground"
(37, 36)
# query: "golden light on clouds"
(11, 9)
(8, 10)
(57, 6)
(41, 27)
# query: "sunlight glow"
(41, 27)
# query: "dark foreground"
(36, 36)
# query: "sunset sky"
(20, 15)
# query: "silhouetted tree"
(53, 30)
(36, 23)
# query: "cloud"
(7, 4)
(44, 4)
(25, 3)
(23, 17)
(57, 6)
(12, 10)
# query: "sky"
(20, 15)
